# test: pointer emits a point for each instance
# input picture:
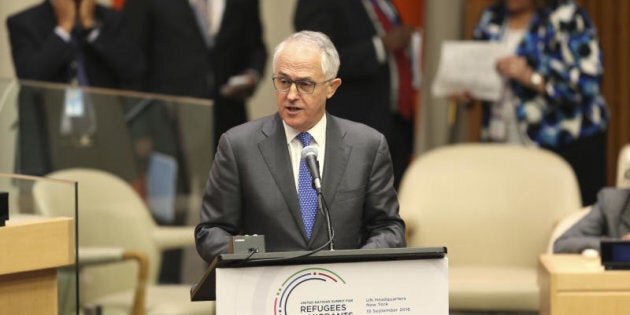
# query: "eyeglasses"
(283, 84)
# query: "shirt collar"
(318, 132)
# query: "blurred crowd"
(214, 49)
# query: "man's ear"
(333, 86)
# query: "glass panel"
(30, 204)
(161, 145)
(140, 160)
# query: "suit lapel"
(336, 161)
(276, 154)
(221, 36)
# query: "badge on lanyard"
(77, 120)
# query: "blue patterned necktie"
(306, 192)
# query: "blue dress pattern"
(561, 44)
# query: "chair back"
(110, 214)
(623, 167)
(490, 204)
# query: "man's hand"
(240, 86)
(626, 237)
(66, 13)
(397, 38)
(516, 67)
(86, 13)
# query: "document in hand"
(469, 66)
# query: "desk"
(574, 284)
(30, 253)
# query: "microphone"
(309, 155)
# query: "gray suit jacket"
(609, 218)
(251, 190)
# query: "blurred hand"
(240, 86)
(515, 67)
(626, 237)
(461, 97)
(397, 38)
(86, 13)
(143, 147)
(66, 13)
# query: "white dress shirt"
(318, 132)
(215, 14)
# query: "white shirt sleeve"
(93, 35)
(62, 34)
(381, 56)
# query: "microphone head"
(309, 151)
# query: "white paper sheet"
(470, 66)
(416, 57)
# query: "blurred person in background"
(551, 97)
(202, 48)
(374, 47)
(75, 42)
(210, 49)
(608, 219)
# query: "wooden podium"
(340, 282)
(31, 252)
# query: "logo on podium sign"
(310, 280)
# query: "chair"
(565, 223)
(115, 225)
(494, 206)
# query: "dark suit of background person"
(251, 188)
(180, 62)
(366, 95)
(110, 60)
(609, 218)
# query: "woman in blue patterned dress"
(552, 96)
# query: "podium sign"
(344, 282)
(380, 287)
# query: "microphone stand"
(321, 202)
(309, 154)
(324, 208)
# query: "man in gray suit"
(254, 184)
(609, 218)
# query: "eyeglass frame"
(296, 86)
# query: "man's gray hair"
(329, 56)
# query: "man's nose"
(293, 93)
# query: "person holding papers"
(258, 184)
(551, 96)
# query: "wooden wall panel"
(610, 18)
(622, 120)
